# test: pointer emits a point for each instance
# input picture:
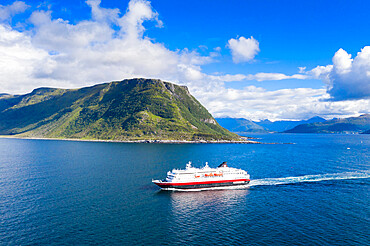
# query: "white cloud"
(18, 60)
(277, 76)
(321, 72)
(302, 69)
(138, 12)
(243, 49)
(342, 62)
(230, 77)
(101, 14)
(347, 78)
(93, 51)
(7, 12)
(256, 103)
(258, 76)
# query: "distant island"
(129, 110)
(366, 132)
(350, 125)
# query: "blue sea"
(313, 192)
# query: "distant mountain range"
(316, 124)
(347, 125)
(135, 109)
(241, 125)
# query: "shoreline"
(142, 141)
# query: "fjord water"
(313, 192)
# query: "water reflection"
(190, 202)
(193, 215)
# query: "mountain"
(284, 125)
(346, 125)
(240, 125)
(135, 109)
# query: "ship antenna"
(188, 165)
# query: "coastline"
(142, 141)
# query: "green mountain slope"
(127, 110)
(346, 125)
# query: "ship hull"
(200, 185)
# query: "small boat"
(206, 177)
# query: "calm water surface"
(313, 192)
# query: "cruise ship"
(206, 177)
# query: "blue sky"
(239, 58)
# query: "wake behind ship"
(206, 177)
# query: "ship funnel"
(223, 164)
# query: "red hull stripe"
(204, 182)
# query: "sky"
(266, 59)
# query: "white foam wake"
(309, 178)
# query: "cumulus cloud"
(138, 12)
(73, 55)
(7, 12)
(19, 60)
(243, 49)
(347, 78)
(321, 72)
